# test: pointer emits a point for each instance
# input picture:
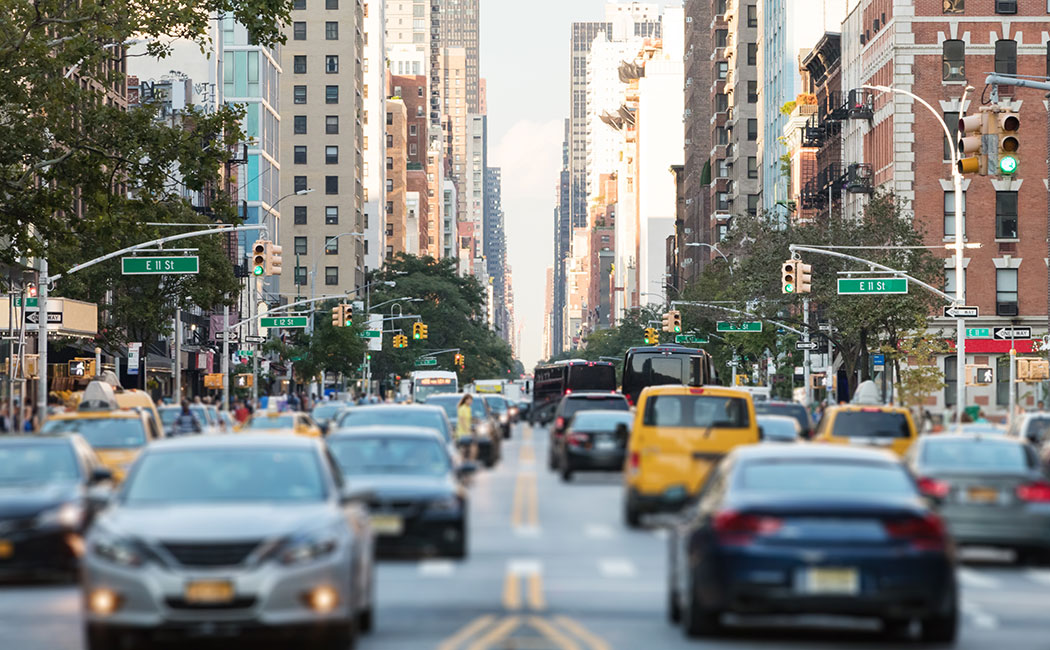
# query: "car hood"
(28, 500)
(203, 522)
(404, 487)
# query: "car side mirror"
(761, 433)
(352, 495)
(622, 432)
(100, 475)
(466, 470)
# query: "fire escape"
(828, 176)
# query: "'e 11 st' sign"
(875, 286)
(159, 265)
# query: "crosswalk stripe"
(598, 531)
(616, 567)
(436, 568)
(973, 579)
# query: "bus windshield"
(592, 377)
(424, 387)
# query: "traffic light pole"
(806, 353)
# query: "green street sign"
(297, 358)
(689, 338)
(426, 362)
(159, 265)
(30, 302)
(245, 353)
(750, 327)
(978, 332)
(287, 321)
(877, 286)
(371, 334)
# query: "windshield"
(327, 411)
(37, 463)
(588, 377)
(697, 411)
(497, 404)
(103, 433)
(401, 417)
(974, 455)
(871, 424)
(601, 420)
(825, 478)
(274, 422)
(390, 455)
(168, 416)
(423, 388)
(226, 476)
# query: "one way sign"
(1001, 333)
(52, 317)
(806, 345)
(961, 311)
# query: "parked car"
(594, 441)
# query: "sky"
(525, 59)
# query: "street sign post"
(875, 286)
(748, 327)
(286, 321)
(960, 311)
(998, 333)
(806, 345)
(371, 334)
(978, 332)
(689, 338)
(426, 362)
(167, 265)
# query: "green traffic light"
(1007, 164)
(258, 270)
(789, 288)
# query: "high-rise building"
(696, 178)
(495, 247)
(396, 177)
(562, 233)
(459, 28)
(474, 186)
(374, 139)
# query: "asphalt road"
(552, 567)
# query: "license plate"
(7, 549)
(605, 445)
(388, 524)
(827, 580)
(209, 592)
(982, 495)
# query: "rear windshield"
(574, 405)
(1038, 429)
(824, 478)
(655, 369)
(585, 377)
(497, 404)
(871, 424)
(796, 411)
(103, 433)
(601, 420)
(697, 411)
(974, 455)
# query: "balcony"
(859, 178)
(812, 136)
(861, 104)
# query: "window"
(300, 276)
(723, 69)
(299, 184)
(412, 150)
(331, 64)
(299, 124)
(389, 163)
(723, 200)
(950, 377)
(949, 281)
(752, 203)
(721, 37)
(331, 31)
(949, 214)
(721, 103)
(752, 53)
(331, 215)
(299, 5)
(331, 4)
(721, 135)
(1005, 57)
(752, 167)
(331, 94)
(1006, 291)
(389, 142)
(331, 246)
(1006, 6)
(331, 155)
(299, 64)
(389, 185)
(299, 94)
(1006, 215)
(412, 130)
(300, 246)
(389, 118)
(951, 119)
(953, 55)
(752, 16)
(331, 275)
(299, 31)
(300, 215)
(299, 155)
(331, 124)
(752, 92)
(331, 185)
(752, 130)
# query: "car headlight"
(504, 418)
(309, 547)
(484, 428)
(123, 552)
(67, 515)
(447, 504)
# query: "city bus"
(668, 363)
(431, 382)
(552, 382)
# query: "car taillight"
(635, 460)
(579, 439)
(630, 400)
(923, 533)
(931, 487)
(1038, 492)
(737, 529)
(559, 423)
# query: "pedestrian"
(29, 420)
(187, 422)
(242, 414)
(464, 429)
(6, 421)
(980, 416)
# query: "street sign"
(806, 345)
(167, 265)
(30, 302)
(751, 327)
(999, 333)
(426, 362)
(254, 339)
(878, 362)
(134, 357)
(244, 353)
(824, 327)
(371, 334)
(862, 286)
(961, 311)
(286, 321)
(232, 337)
(689, 338)
(978, 332)
(52, 317)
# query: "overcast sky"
(525, 59)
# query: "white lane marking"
(980, 618)
(973, 579)
(527, 531)
(616, 567)
(598, 531)
(1042, 576)
(436, 568)
(524, 566)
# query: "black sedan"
(572, 404)
(801, 529)
(418, 503)
(50, 488)
(594, 441)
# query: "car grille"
(8, 526)
(404, 508)
(210, 555)
(244, 602)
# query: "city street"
(552, 566)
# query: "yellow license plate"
(982, 495)
(826, 580)
(388, 524)
(7, 549)
(209, 592)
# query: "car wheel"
(941, 629)
(566, 471)
(631, 515)
(97, 637)
(366, 620)
(342, 637)
(698, 621)
(674, 610)
(552, 461)
(896, 628)
(1033, 556)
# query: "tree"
(327, 349)
(919, 376)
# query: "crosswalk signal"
(338, 316)
(259, 257)
(1007, 124)
(972, 129)
(803, 277)
(788, 276)
(417, 331)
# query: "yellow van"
(679, 434)
(889, 427)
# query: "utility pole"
(177, 397)
(256, 297)
(225, 365)
(806, 353)
(41, 332)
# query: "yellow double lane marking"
(512, 584)
(525, 506)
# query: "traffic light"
(338, 316)
(348, 314)
(417, 330)
(460, 361)
(667, 322)
(273, 259)
(1007, 124)
(424, 331)
(788, 276)
(400, 341)
(651, 336)
(676, 321)
(259, 257)
(803, 277)
(972, 128)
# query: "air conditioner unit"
(1006, 309)
(1006, 6)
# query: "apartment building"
(396, 177)
(374, 138)
(695, 181)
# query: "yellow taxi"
(889, 427)
(295, 422)
(116, 436)
(679, 434)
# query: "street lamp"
(313, 271)
(714, 248)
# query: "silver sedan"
(228, 537)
